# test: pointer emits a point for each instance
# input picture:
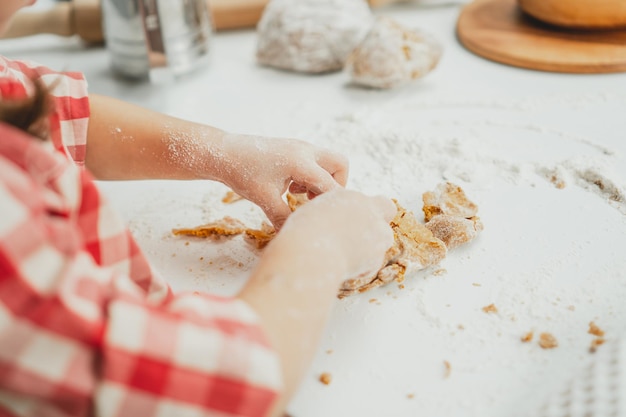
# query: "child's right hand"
(338, 235)
(344, 227)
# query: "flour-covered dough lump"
(451, 221)
(311, 36)
(392, 55)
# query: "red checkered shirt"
(86, 327)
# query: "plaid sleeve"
(75, 336)
(199, 354)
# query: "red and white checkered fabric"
(86, 327)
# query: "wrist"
(226, 153)
(211, 160)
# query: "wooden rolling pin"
(83, 18)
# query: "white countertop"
(550, 259)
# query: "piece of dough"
(415, 247)
(448, 199)
(454, 231)
(226, 227)
(231, 197)
(452, 221)
(296, 200)
(229, 227)
(391, 55)
(260, 238)
(450, 215)
(311, 36)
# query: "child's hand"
(344, 227)
(262, 169)
(339, 235)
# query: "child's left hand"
(129, 142)
(262, 169)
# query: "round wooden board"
(498, 30)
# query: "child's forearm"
(339, 235)
(292, 290)
(130, 142)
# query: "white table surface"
(550, 260)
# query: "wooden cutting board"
(498, 30)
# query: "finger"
(387, 207)
(335, 164)
(315, 180)
(276, 210)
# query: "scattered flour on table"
(554, 211)
(395, 156)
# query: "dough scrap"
(450, 215)
(226, 227)
(311, 36)
(595, 343)
(391, 55)
(448, 199)
(259, 238)
(231, 197)
(490, 309)
(452, 221)
(296, 200)
(595, 330)
(229, 227)
(326, 378)
(454, 231)
(548, 341)
(415, 247)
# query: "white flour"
(398, 157)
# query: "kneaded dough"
(451, 221)
(392, 55)
(226, 227)
(414, 248)
(311, 36)
(448, 199)
(454, 231)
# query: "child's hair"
(29, 114)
